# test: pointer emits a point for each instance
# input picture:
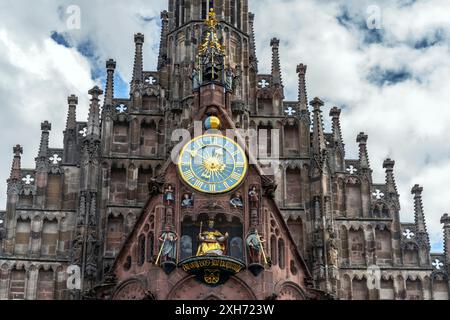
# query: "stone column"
(4, 282)
(31, 283)
(36, 236)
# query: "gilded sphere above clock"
(213, 164)
(212, 123)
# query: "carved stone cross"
(28, 179)
(150, 80)
(55, 159)
(121, 108)
(408, 234)
(84, 132)
(437, 264)
(378, 194)
(263, 83)
(352, 170)
(290, 111)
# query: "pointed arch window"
(281, 254)
(141, 250)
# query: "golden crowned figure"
(212, 241)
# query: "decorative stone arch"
(414, 287)
(131, 289)
(289, 291)
(353, 197)
(357, 244)
(439, 286)
(346, 287)
(360, 291)
(190, 289)
(410, 253)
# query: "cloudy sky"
(385, 62)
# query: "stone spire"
(335, 114)
(446, 221)
(389, 164)
(302, 94)
(162, 58)
(363, 154)
(109, 91)
(419, 216)
(253, 58)
(16, 166)
(318, 132)
(276, 68)
(71, 123)
(138, 68)
(46, 127)
(93, 125)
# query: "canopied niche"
(53, 192)
(120, 139)
(190, 230)
(353, 198)
(383, 246)
(291, 139)
(45, 285)
(440, 286)
(22, 237)
(413, 289)
(17, 284)
(357, 246)
(114, 234)
(149, 139)
(410, 254)
(293, 192)
(49, 239)
(118, 190)
(359, 289)
(144, 177)
(387, 291)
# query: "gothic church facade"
(98, 207)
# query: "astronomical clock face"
(213, 164)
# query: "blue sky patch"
(60, 39)
(382, 77)
(427, 42)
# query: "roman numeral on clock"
(235, 176)
(188, 175)
(212, 188)
(198, 184)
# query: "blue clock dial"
(212, 164)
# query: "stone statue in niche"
(212, 241)
(333, 253)
(237, 201)
(237, 84)
(229, 77)
(196, 81)
(236, 248)
(168, 251)
(255, 246)
(186, 247)
(253, 196)
(169, 195)
(187, 201)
